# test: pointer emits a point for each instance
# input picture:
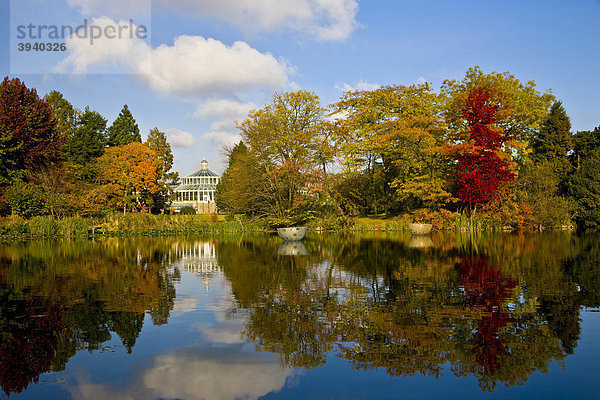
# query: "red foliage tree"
(28, 138)
(481, 171)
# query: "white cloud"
(223, 125)
(196, 64)
(421, 80)
(361, 85)
(224, 109)
(322, 19)
(179, 138)
(87, 55)
(222, 139)
(191, 66)
(226, 113)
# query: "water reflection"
(497, 308)
(225, 373)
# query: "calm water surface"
(337, 317)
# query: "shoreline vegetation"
(15, 228)
(485, 153)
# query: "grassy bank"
(123, 225)
(12, 228)
(441, 221)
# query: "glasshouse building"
(197, 190)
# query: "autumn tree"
(28, 135)
(396, 134)
(124, 129)
(282, 141)
(521, 107)
(481, 169)
(131, 173)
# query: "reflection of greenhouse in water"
(199, 258)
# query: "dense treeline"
(485, 148)
(61, 161)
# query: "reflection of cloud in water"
(184, 305)
(227, 331)
(230, 322)
(208, 374)
(216, 374)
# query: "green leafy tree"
(26, 199)
(124, 129)
(157, 141)
(541, 185)
(235, 192)
(64, 113)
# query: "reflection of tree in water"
(57, 298)
(30, 340)
(486, 287)
(414, 311)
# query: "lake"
(372, 316)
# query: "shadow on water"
(494, 307)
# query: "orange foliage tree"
(131, 174)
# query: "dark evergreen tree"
(124, 129)
(583, 186)
(554, 140)
(87, 142)
(543, 178)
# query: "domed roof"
(203, 171)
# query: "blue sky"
(213, 60)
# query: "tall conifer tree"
(124, 129)
(554, 140)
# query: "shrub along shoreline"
(18, 228)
